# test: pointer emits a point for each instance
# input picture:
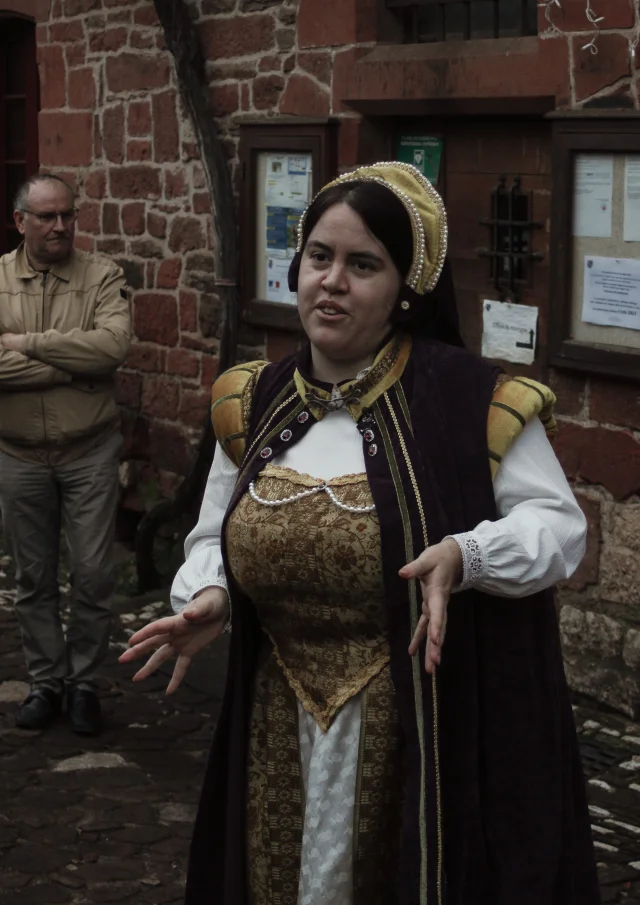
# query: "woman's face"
(347, 287)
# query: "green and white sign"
(423, 151)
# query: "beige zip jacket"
(57, 399)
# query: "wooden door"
(18, 118)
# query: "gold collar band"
(358, 394)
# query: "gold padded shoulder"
(231, 396)
(515, 402)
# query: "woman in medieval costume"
(366, 494)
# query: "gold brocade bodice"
(314, 574)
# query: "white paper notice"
(593, 193)
(632, 199)
(612, 292)
(509, 331)
(277, 281)
(288, 183)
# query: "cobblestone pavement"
(109, 819)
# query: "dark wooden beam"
(183, 43)
(167, 520)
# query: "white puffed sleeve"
(203, 566)
(541, 535)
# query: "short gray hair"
(22, 195)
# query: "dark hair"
(386, 218)
(22, 195)
(383, 213)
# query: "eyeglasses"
(51, 218)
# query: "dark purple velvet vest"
(493, 786)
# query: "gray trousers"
(36, 502)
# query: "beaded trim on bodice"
(313, 571)
(317, 486)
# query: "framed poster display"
(283, 165)
(595, 242)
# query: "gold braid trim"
(386, 370)
(231, 396)
(515, 402)
(415, 612)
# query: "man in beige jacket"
(65, 327)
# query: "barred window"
(463, 20)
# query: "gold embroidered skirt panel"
(313, 571)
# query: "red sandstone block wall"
(112, 121)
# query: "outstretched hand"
(438, 569)
(181, 636)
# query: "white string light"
(634, 40)
(591, 16)
(547, 4)
(595, 21)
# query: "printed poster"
(282, 231)
(288, 181)
(277, 281)
(593, 195)
(631, 231)
(611, 292)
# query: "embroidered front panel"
(313, 571)
(275, 804)
(276, 799)
(377, 827)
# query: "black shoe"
(39, 709)
(84, 711)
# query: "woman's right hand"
(182, 636)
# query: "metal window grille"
(463, 20)
(510, 254)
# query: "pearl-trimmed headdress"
(426, 213)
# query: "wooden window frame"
(317, 137)
(574, 135)
(31, 99)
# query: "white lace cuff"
(473, 559)
(180, 600)
(220, 582)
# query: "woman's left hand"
(439, 569)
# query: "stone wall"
(112, 121)
(598, 445)
(599, 420)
